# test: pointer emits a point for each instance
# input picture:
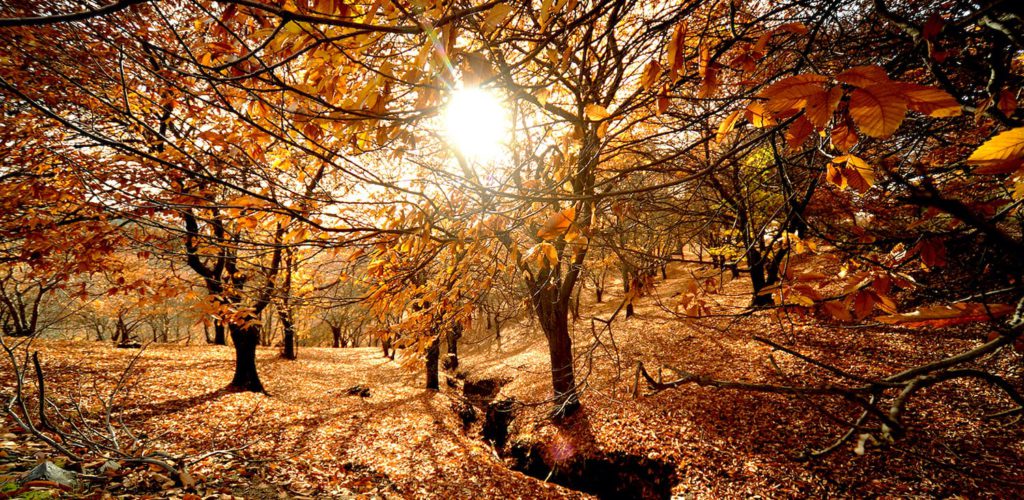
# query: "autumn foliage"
(301, 173)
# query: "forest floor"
(309, 438)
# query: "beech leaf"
(1000, 154)
(878, 110)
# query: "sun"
(476, 123)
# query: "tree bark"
(553, 316)
(336, 333)
(757, 278)
(218, 333)
(289, 333)
(625, 291)
(246, 338)
(285, 310)
(433, 353)
(451, 360)
(563, 377)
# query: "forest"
(511, 249)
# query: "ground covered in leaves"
(314, 436)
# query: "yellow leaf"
(245, 201)
(878, 109)
(542, 255)
(1000, 154)
(861, 169)
(727, 125)
(497, 14)
(596, 112)
(542, 96)
(550, 254)
(557, 224)
(545, 13)
(758, 116)
(931, 101)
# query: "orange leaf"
(834, 176)
(1000, 154)
(797, 28)
(245, 201)
(863, 76)
(662, 104)
(709, 83)
(931, 101)
(878, 109)
(798, 132)
(596, 112)
(727, 125)
(863, 303)
(1007, 102)
(940, 316)
(651, 73)
(857, 173)
(542, 255)
(844, 138)
(821, 106)
(758, 116)
(837, 310)
(793, 92)
(557, 224)
(676, 49)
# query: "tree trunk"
(246, 338)
(599, 293)
(289, 333)
(451, 360)
(497, 331)
(563, 377)
(433, 353)
(218, 333)
(552, 312)
(336, 333)
(576, 304)
(625, 291)
(757, 279)
(121, 332)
